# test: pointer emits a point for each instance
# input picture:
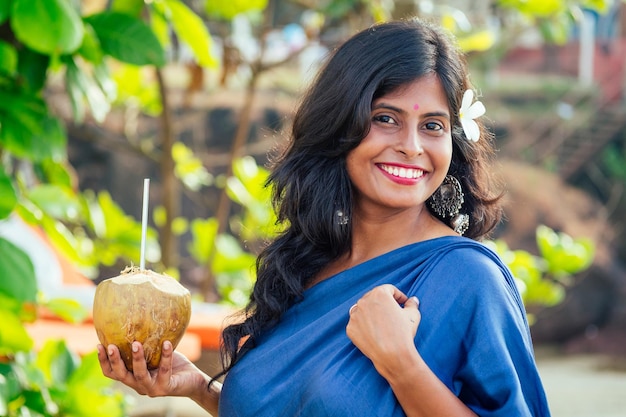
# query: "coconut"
(141, 305)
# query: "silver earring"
(342, 219)
(460, 223)
(447, 200)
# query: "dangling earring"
(342, 219)
(447, 200)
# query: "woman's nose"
(410, 144)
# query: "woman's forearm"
(208, 397)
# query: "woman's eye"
(383, 118)
(433, 126)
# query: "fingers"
(116, 364)
(411, 306)
(140, 367)
(165, 365)
(105, 364)
(412, 302)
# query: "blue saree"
(473, 334)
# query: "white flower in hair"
(468, 112)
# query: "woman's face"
(407, 152)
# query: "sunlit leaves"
(88, 392)
(57, 201)
(137, 89)
(13, 336)
(47, 26)
(68, 309)
(553, 18)
(189, 169)
(247, 188)
(227, 10)
(8, 197)
(55, 382)
(130, 7)
(190, 29)
(83, 88)
(542, 280)
(203, 233)
(564, 255)
(56, 362)
(481, 40)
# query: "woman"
(385, 169)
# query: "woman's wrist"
(207, 395)
(401, 366)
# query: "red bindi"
(416, 106)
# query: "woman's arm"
(391, 348)
(176, 376)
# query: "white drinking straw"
(144, 223)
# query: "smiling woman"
(370, 302)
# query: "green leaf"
(17, 273)
(130, 7)
(67, 309)
(104, 80)
(127, 39)
(90, 48)
(13, 336)
(57, 201)
(53, 172)
(188, 168)
(62, 239)
(203, 232)
(227, 10)
(48, 26)
(191, 29)
(5, 11)
(230, 257)
(564, 254)
(136, 88)
(28, 130)
(33, 68)
(8, 59)
(82, 87)
(56, 362)
(8, 197)
(159, 25)
(89, 394)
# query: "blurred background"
(197, 95)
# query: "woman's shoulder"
(465, 252)
(465, 263)
(475, 271)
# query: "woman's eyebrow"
(383, 105)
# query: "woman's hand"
(175, 376)
(383, 325)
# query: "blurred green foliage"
(543, 279)
(55, 382)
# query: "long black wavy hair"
(309, 180)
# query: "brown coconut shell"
(141, 305)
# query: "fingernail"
(135, 347)
(110, 351)
(167, 345)
(417, 301)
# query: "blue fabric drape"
(473, 334)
